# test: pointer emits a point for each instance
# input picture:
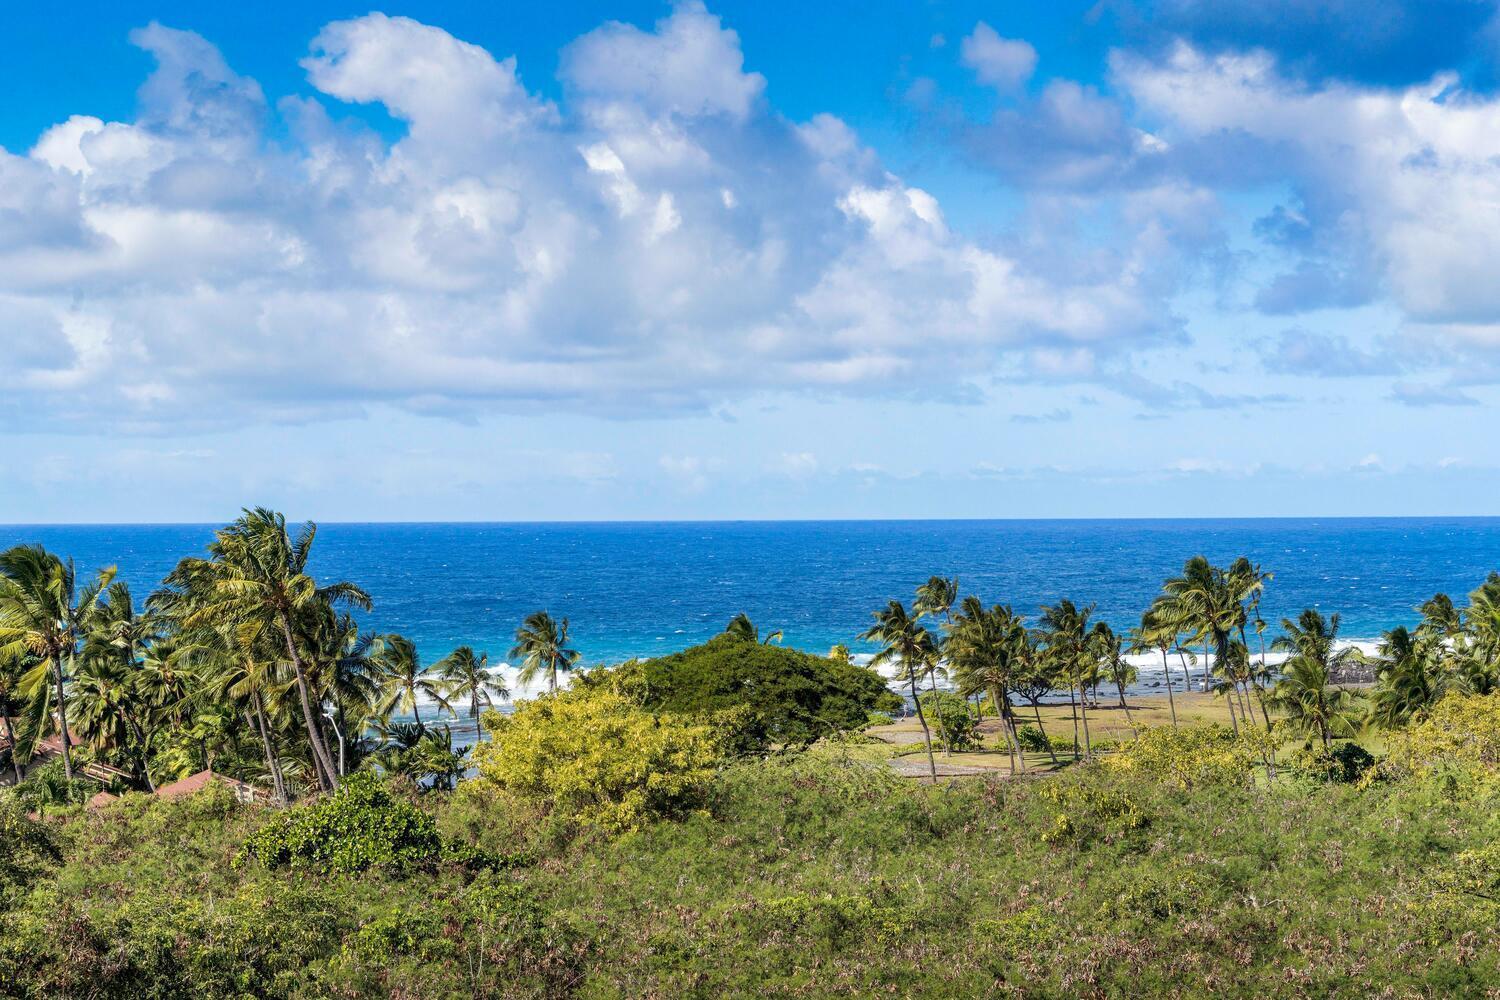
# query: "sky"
(493, 261)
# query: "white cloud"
(1003, 63)
(663, 240)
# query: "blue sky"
(631, 260)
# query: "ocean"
(644, 589)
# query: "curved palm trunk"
(926, 733)
(1128, 720)
(1088, 747)
(140, 736)
(273, 763)
(1167, 673)
(322, 760)
(62, 719)
(1043, 729)
(474, 714)
(1187, 678)
(1073, 705)
(10, 738)
(416, 710)
(942, 729)
(1205, 665)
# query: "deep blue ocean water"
(642, 589)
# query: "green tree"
(741, 627)
(256, 575)
(1305, 695)
(469, 678)
(1411, 679)
(45, 614)
(403, 679)
(986, 648)
(1158, 632)
(1110, 653)
(909, 646)
(1066, 638)
(542, 647)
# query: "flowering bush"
(599, 758)
(1191, 756)
(1461, 733)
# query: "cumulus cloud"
(1003, 63)
(663, 238)
(1303, 352)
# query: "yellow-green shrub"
(599, 758)
(1191, 756)
(1461, 732)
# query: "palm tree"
(467, 677)
(1066, 638)
(542, 647)
(404, 681)
(1411, 679)
(907, 644)
(108, 712)
(1119, 671)
(1305, 693)
(256, 574)
(985, 648)
(44, 613)
(12, 668)
(1204, 601)
(741, 627)
(1157, 632)
(935, 598)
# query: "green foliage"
(1036, 741)
(835, 920)
(27, 849)
(597, 758)
(1474, 873)
(794, 697)
(952, 717)
(1191, 756)
(1343, 761)
(359, 826)
(1088, 810)
(1460, 733)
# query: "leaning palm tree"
(909, 646)
(935, 599)
(45, 614)
(1306, 695)
(404, 682)
(468, 677)
(1204, 600)
(542, 647)
(1111, 656)
(256, 575)
(1157, 632)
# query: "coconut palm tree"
(1066, 633)
(45, 614)
(935, 599)
(1411, 678)
(1305, 695)
(468, 677)
(908, 645)
(1204, 601)
(12, 668)
(741, 627)
(256, 575)
(542, 647)
(109, 712)
(1117, 670)
(985, 649)
(403, 679)
(1158, 633)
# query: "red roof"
(196, 782)
(100, 799)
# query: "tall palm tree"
(109, 712)
(404, 681)
(12, 668)
(256, 574)
(1066, 631)
(542, 647)
(741, 627)
(985, 648)
(1159, 633)
(468, 677)
(1306, 694)
(1108, 649)
(1411, 678)
(908, 645)
(44, 613)
(935, 599)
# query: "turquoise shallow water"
(640, 589)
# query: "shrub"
(1188, 757)
(598, 758)
(794, 697)
(1461, 733)
(1036, 741)
(26, 849)
(1344, 762)
(359, 826)
(950, 717)
(1090, 811)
